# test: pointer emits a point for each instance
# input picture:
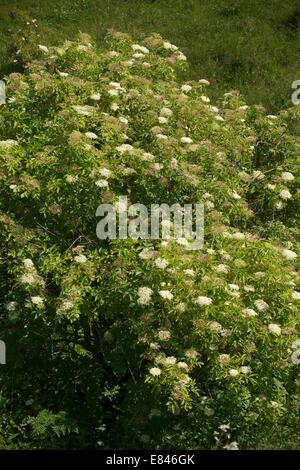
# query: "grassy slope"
(236, 44)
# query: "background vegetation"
(252, 46)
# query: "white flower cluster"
(144, 295)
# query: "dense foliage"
(143, 343)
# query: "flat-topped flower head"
(43, 48)
(164, 335)
(28, 263)
(249, 312)
(275, 329)
(91, 135)
(289, 254)
(186, 140)
(36, 300)
(161, 263)
(166, 112)
(261, 305)
(285, 194)
(80, 259)
(166, 294)
(144, 295)
(287, 176)
(124, 148)
(203, 300)
(137, 47)
(155, 371)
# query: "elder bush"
(143, 343)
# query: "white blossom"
(95, 96)
(189, 272)
(123, 120)
(27, 279)
(287, 176)
(202, 300)
(155, 371)
(91, 135)
(137, 47)
(173, 164)
(180, 56)
(166, 294)
(285, 194)
(249, 288)
(233, 286)
(138, 55)
(182, 365)
(83, 110)
(161, 136)
(235, 195)
(191, 353)
(6, 144)
(181, 307)
(71, 178)
(186, 140)
(113, 92)
(166, 112)
(11, 306)
(186, 88)
(205, 99)
(43, 48)
(275, 329)
(101, 183)
(168, 45)
(224, 358)
(295, 357)
(171, 360)
(289, 254)
(261, 305)
(164, 335)
(124, 148)
(105, 172)
(144, 295)
(146, 253)
(66, 305)
(246, 370)
(215, 326)
(278, 205)
(182, 241)
(115, 85)
(37, 300)
(231, 446)
(80, 259)
(28, 263)
(162, 120)
(249, 312)
(161, 263)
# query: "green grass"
(252, 45)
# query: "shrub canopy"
(133, 343)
